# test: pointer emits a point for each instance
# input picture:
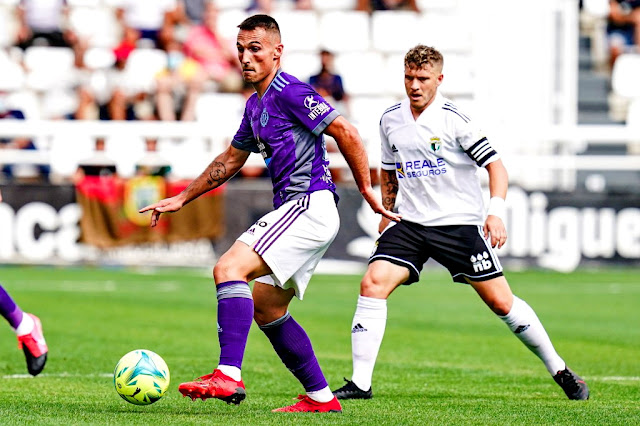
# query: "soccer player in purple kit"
(284, 121)
(28, 329)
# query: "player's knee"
(374, 285)
(500, 305)
(224, 271)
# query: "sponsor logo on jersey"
(316, 108)
(265, 150)
(421, 168)
(264, 117)
(435, 144)
(481, 262)
(393, 148)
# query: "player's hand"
(371, 198)
(494, 227)
(172, 204)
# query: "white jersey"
(436, 158)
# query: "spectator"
(19, 172)
(99, 164)
(152, 163)
(40, 21)
(623, 28)
(215, 54)
(329, 85)
(182, 79)
(153, 20)
(373, 5)
(190, 12)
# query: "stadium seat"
(458, 76)
(345, 31)
(228, 21)
(328, 5)
(624, 77)
(97, 25)
(362, 72)
(444, 6)
(11, 74)
(301, 64)
(299, 30)
(84, 3)
(393, 74)
(223, 111)
(49, 67)
(99, 58)
(395, 31)
(9, 25)
(447, 33)
(366, 112)
(142, 67)
(233, 4)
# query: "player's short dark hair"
(422, 55)
(260, 21)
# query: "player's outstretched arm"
(352, 148)
(218, 172)
(498, 183)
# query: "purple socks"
(294, 349)
(235, 315)
(9, 309)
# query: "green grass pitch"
(446, 359)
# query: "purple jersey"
(286, 126)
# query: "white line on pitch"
(29, 376)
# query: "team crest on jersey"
(264, 117)
(435, 144)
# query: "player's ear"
(277, 53)
(440, 78)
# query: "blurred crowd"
(127, 60)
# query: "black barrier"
(39, 224)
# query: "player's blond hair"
(422, 55)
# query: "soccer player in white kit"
(430, 154)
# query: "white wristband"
(497, 207)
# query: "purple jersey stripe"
(262, 240)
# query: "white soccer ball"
(141, 377)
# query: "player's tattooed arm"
(216, 174)
(389, 188)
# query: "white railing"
(552, 164)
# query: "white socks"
(26, 325)
(231, 371)
(524, 323)
(322, 395)
(367, 331)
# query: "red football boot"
(215, 385)
(308, 405)
(34, 347)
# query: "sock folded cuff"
(231, 289)
(371, 304)
(277, 322)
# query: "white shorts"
(293, 239)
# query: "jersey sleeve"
(472, 140)
(308, 107)
(244, 139)
(387, 158)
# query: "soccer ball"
(141, 377)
